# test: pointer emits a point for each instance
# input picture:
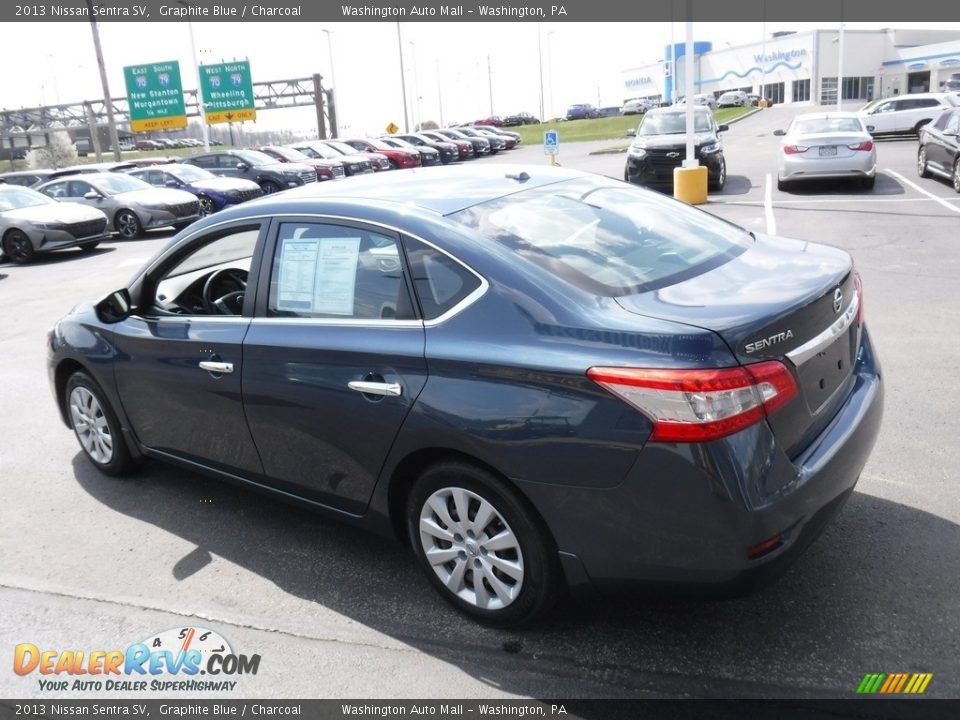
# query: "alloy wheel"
(17, 247)
(922, 162)
(206, 206)
(471, 548)
(91, 425)
(956, 176)
(128, 225)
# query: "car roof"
(441, 190)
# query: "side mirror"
(779, 133)
(242, 166)
(114, 307)
(92, 195)
(632, 132)
(173, 184)
(723, 128)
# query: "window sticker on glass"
(318, 275)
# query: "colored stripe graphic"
(894, 683)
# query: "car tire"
(922, 169)
(956, 175)
(721, 178)
(206, 205)
(96, 426)
(17, 247)
(269, 187)
(867, 183)
(89, 247)
(127, 224)
(507, 582)
(782, 185)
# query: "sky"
(451, 69)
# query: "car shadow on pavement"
(735, 185)
(876, 593)
(59, 256)
(885, 186)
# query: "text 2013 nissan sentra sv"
(535, 377)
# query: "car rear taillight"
(866, 146)
(696, 405)
(794, 149)
(858, 284)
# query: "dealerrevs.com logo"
(187, 659)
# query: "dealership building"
(803, 67)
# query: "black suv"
(661, 142)
(264, 170)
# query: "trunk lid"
(781, 299)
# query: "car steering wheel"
(218, 302)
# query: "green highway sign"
(227, 92)
(155, 96)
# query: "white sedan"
(826, 145)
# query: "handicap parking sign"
(551, 142)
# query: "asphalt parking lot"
(89, 561)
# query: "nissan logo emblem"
(837, 300)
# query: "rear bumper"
(686, 515)
(795, 168)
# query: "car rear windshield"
(673, 123)
(607, 239)
(809, 126)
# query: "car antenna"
(519, 177)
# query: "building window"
(801, 90)
(774, 92)
(828, 91)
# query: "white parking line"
(897, 176)
(768, 206)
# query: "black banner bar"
(327, 11)
(918, 709)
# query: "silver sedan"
(826, 145)
(32, 223)
(131, 205)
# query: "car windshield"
(341, 147)
(673, 123)
(290, 155)
(810, 126)
(189, 173)
(253, 158)
(397, 142)
(607, 239)
(453, 133)
(318, 150)
(14, 198)
(114, 184)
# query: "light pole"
(333, 81)
(490, 84)
(552, 105)
(108, 101)
(540, 56)
(439, 93)
(196, 67)
(403, 82)
(840, 68)
(418, 120)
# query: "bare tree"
(427, 125)
(57, 153)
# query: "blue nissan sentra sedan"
(537, 378)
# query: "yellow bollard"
(690, 184)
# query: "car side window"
(439, 281)
(211, 279)
(953, 124)
(337, 272)
(884, 108)
(204, 162)
(57, 190)
(78, 188)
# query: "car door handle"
(216, 367)
(376, 388)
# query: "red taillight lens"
(693, 405)
(864, 146)
(858, 284)
(794, 149)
